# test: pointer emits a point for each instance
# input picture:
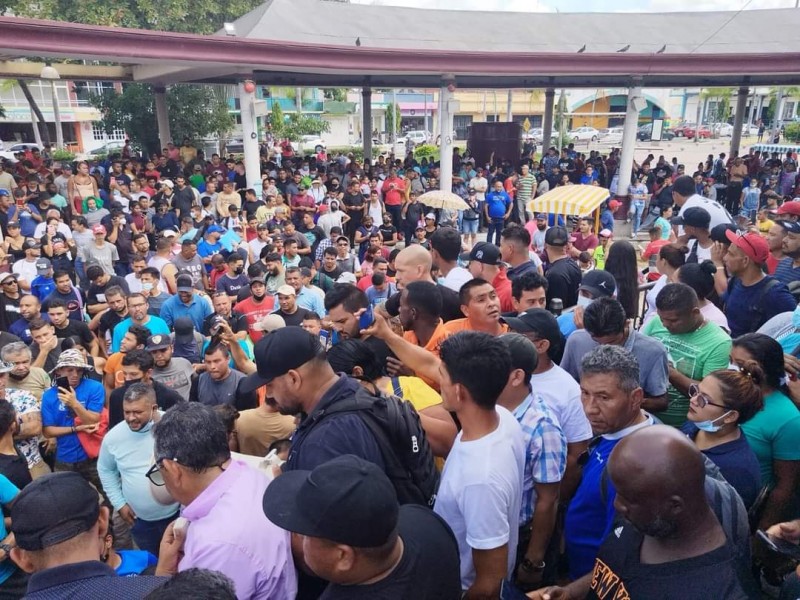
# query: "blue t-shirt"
(786, 272)
(497, 203)
(156, 325)
(42, 287)
(736, 461)
(134, 562)
(8, 491)
(92, 396)
(566, 323)
(747, 309)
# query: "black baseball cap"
(523, 352)
(53, 509)
(556, 236)
(158, 342)
(599, 283)
(280, 352)
(694, 216)
(718, 232)
(541, 323)
(483, 252)
(790, 226)
(347, 500)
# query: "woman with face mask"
(718, 405)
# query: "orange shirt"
(114, 365)
(439, 335)
(452, 327)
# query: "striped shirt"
(526, 184)
(786, 272)
(545, 450)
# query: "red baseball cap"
(752, 244)
(790, 208)
(98, 229)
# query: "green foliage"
(337, 94)
(186, 16)
(295, 125)
(194, 112)
(426, 151)
(63, 155)
(792, 132)
(393, 118)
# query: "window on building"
(461, 124)
(99, 134)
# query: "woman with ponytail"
(774, 432)
(718, 406)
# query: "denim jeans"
(495, 227)
(148, 534)
(637, 208)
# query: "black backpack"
(404, 447)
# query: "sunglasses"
(703, 399)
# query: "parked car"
(680, 128)
(702, 132)
(234, 147)
(584, 134)
(10, 151)
(309, 144)
(724, 130)
(611, 135)
(417, 136)
(645, 133)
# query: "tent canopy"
(580, 200)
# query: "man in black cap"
(563, 274)
(484, 262)
(594, 284)
(366, 545)
(696, 230)
(685, 196)
(57, 523)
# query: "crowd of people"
(334, 388)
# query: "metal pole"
(484, 106)
(738, 119)
(57, 116)
(366, 121)
(252, 158)
(547, 121)
(446, 140)
(425, 94)
(509, 100)
(779, 109)
(395, 117)
(699, 115)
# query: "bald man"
(414, 263)
(669, 542)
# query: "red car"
(702, 132)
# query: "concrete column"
(366, 121)
(57, 116)
(509, 100)
(162, 117)
(547, 124)
(252, 158)
(446, 139)
(738, 119)
(628, 141)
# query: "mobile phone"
(778, 545)
(325, 339)
(62, 382)
(366, 319)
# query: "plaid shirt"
(546, 452)
(326, 243)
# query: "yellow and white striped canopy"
(580, 200)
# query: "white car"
(417, 136)
(723, 129)
(584, 134)
(309, 143)
(612, 135)
(10, 151)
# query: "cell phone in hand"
(62, 382)
(366, 319)
(779, 545)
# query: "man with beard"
(346, 304)
(671, 544)
(139, 315)
(125, 457)
(174, 372)
(23, 376)
(137, 367)
(28, 420)
(105, 322)
(69, 294)
(537, 236)
(256, 307)
(220, 384)
(274, 277)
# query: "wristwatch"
(6, 548)
(530, 567)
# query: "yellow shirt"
(416, 391)
(764, 226)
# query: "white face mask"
(583, 301)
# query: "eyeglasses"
(154, 473)
(703, 399)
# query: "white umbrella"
(443, 199)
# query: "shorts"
(469, 226)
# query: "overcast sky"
(586, 6)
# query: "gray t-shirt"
(649, 353)
(194, 267)
(177, 375)
(213, 393)
(104, 256)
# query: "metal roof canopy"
(313, 43)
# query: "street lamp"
(49, 73)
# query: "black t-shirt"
(100, 290)
(108, 321)
(564, 278)
(165, 398)
(618, 572)
(387, 231)
(237, 321)
(351, 200)
(429, 568)
(334, 275)
(566, 165)
(15, 468)
(250, 208)
(296, 318)
(76, 328)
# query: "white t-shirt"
(715, 209)
(563, 395)
(330, 219)
(134, 283)
(456, 278)
(25, 269)
(651, 296)
(481, 491)
(61, 228)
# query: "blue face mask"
(709, 426)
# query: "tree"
(295, 125)
(721, 97)
(393, 118)
(186, 16)
(337, 94)
(40, 122)
(194, 112)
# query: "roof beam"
(11, 69)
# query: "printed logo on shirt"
(606, 583)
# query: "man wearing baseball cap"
(43, 285)
(789, 210)
(57, 521)
(696, 225)
(594, 284)
(752, 298)
(484, 262)
(563, 274)
(25, 268)
(788, 269)
(355, 535)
